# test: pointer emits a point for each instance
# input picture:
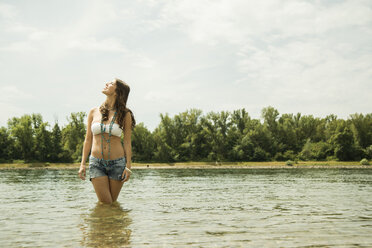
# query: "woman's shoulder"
(129, 118)
(93, 110)
(127, 110)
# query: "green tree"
(143, 143)
(241, 123)
(361, 127)
(330, 125)
(316, 151)
(240, 120)
(287, 134)
(308, 128)
(73, 135)
(165, 139)
(190, 140)
(43, 143)
(254, 145)
(368, 152)
(179, 138)
(57, 154)
(6, 145)
(270, 116)
(222, 136)
(22, 131)
(343, 142)
(215, 127)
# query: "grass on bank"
(268, 164)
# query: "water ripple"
(190, 208)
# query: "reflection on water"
(189, 208)
(106, 226)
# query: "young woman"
(110, 159)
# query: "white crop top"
(96, 129)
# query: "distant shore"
(200, 165)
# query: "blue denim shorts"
(111, 168)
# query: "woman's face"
(109, 88)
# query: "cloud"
(286, 50)
(13, 94)
(312, 72)
(81, 35)
(164, 96)
(7, 11)
(10, 102)
(236, 21)
(91, 44)
(9, 111)
(305, 56)
(19, 46)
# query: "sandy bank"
(201, 165)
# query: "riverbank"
(201, 165)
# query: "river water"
(189, 208)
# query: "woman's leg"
(115, 187)
(102, 187)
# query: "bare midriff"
(117, 149)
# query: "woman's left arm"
(128, 143)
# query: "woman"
(110, 159)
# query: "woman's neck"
(110, 101)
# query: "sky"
(311, 57)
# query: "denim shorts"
(111, 168)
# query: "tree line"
(193, 136)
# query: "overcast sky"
(312, 57)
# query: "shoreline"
(201, 165)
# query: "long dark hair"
(122, 91)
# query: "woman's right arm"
(87, 144)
